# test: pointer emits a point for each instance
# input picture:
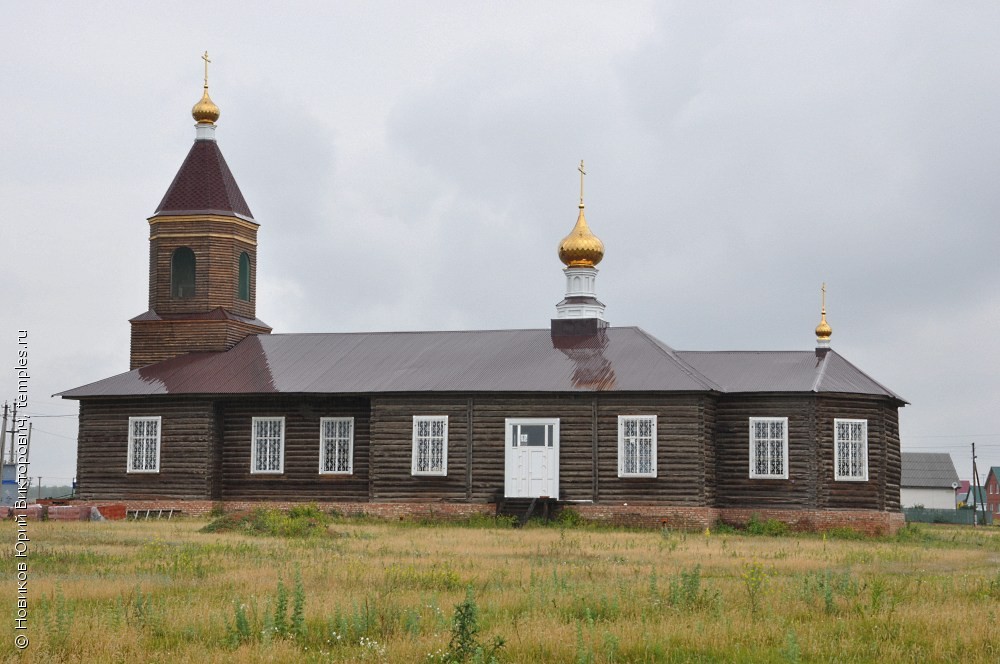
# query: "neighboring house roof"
(931, 470)
(995, 472)
(978, 492)
(620, 359)
(204, 185)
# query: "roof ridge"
(758, 352)
(821, 374)
(684, 366)
(865, 374)
(488, 331)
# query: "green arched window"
(182, 273)
(244, 282)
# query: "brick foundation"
(394, 511)
(870, 522)
(649, 516)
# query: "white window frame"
(132, 442)
(863, 477)
(323, 441)
(623, 442)
(767, 441)
(414, 468)
(253, 447)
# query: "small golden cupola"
(580, 252)
(581, 248)
(823, 330)
(205, 112)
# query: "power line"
(57, 435)
(960, 435)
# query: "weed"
(280, 622)
(60, 620)
(437, 577)
(792, 652)
(298, 624)
(828, 604)
(502, 521)
(300, 521)
(465, 645)
(879, 590)
(722, 528)
(570, 518)
(584, 655)
(137, 609)
(611, 647)
(239, 631)
(754, 579)
(845, 533)
(771, 527)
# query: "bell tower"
(580, 252)
(202, 256)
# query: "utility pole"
(975, 491)
(3, 431)
(13, 435)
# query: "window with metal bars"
(144, 444)
(850, 450)
(268, 445)
(769, 447)
(637, 446)
(336, 445)
(430, 445)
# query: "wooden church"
(217, 410)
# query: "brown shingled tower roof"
(204, 185)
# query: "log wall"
(811, 479)
(702, 449)
(576, 441)
(301, 479)
(392, 449)
(187, 439)
(734, 486)
(588, 446)
(680, 450)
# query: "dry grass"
(165, 592)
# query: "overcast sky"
(413, 167)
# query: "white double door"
(532, 458)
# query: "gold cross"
(205, 58)
(824, 295)
(582, 173)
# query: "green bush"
(771, 527)
(300, 521)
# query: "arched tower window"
(182, 273)
(244, 282)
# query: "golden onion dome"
(205, 111)
(823, 330)
(581, 248)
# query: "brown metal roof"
(204, 185)
(784, 371)
(215, 314)
(620, 359)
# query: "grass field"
(395, 592)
